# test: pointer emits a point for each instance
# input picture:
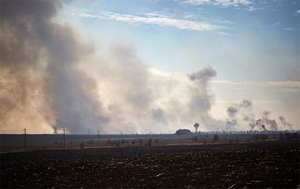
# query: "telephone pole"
(64, 138)
(24, 139)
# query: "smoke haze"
(40, 60)
(43, 83)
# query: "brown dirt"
(273, 164)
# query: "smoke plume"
(232, 111)
(44, 83)
(40, 60)
(285, 123)
(201, 97)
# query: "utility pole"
(24, 139)
(64, 138)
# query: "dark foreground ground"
(273, 164)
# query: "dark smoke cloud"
(269, 124)
(232, 111)
(41, 59)
(246, 104)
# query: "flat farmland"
(268, 164)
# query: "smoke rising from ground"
(202, 99)
(201, 96)
(242, 113)
(40, 59)
(43, 83)
(285, 123)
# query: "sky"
(154, 66)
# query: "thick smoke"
(40, 60)
(271, 123)
(43, 83)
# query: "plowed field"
(253, 165)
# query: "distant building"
(183, 132)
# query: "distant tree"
(216, 137)
(141, 141)
(295, 136)
(183, 132)
(194, 138)
(264, 136)
(108, 142)
(288, 136)
(237, 140)
(281, 136)
(81, 145)
(150, 141)
(256, 137)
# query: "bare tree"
(81, 145)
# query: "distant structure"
(264, 127)
(196, 125)
(183, 132)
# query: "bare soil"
(269, 164)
